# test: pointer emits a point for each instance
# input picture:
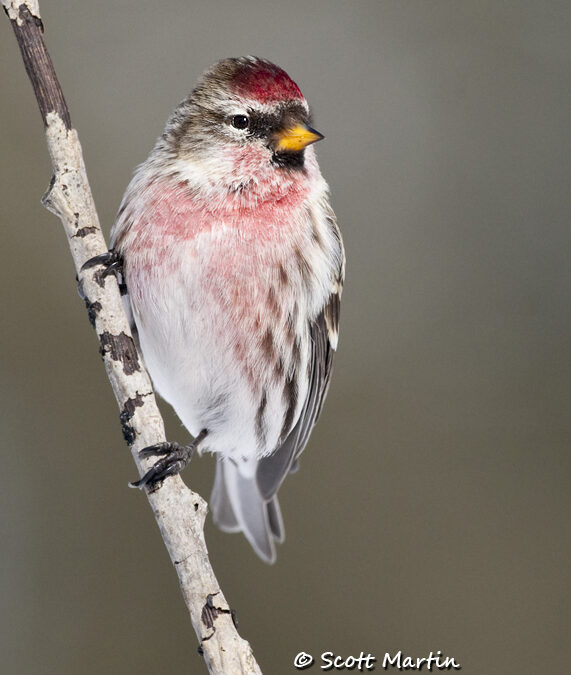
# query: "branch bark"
(180, 513)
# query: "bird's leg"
(173, 459)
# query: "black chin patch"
(288, 160)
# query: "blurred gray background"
(431, 508)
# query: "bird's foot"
(111, 262)
(173, 459)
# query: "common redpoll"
(234, 265)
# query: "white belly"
(215, 344)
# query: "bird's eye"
(240, 121)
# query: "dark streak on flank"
(290, 399)
(290, 391)
(331, 312)
(121, 348)
(303, 265)
(260, 421)
(273, 304)
(296, 354)
(290, 325)
(282, 275)
(121, 210)
(279, 369)
(268, 344)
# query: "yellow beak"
(296, 138)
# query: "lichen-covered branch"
(180, 513)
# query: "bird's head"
(244, 116)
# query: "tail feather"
(275, 520)
(238, 506)
(220, 503)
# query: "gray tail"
(238, 506)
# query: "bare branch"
(180, 513)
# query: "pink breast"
(173, 211)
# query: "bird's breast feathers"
(223, 301)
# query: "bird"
(234, 264)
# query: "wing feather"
(272, 470)
(324, 330)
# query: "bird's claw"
(157, 450)
(111, 262)
(173, 459)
